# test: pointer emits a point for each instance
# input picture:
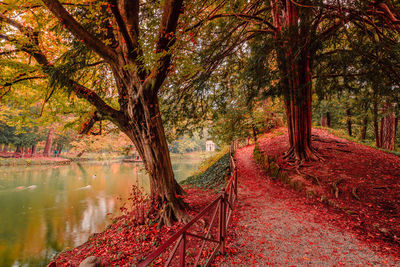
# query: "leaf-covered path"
(273, 225)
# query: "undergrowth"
(212, 171)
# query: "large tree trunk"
(388, 128)
(5, 148)
(295, 62)
(298, 112)
(49, 142)
(150, 142)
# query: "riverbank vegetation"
(212, 172)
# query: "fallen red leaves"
(276, 225)
(367, 180)
(124, 242)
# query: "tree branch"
(242, 16)
(166, 39)
(79, 32)
(9, 52)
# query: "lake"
(46, 209)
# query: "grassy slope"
(212, 172)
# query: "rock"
(91, 261)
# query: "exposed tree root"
(171, 209)
(354, 193)
(298, 158)
(336, 188)
(306, 175)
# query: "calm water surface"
(45, 209)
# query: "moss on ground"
(213, 177)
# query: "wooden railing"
(211, 237)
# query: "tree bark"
(364, 127)
(328, 119)
(376, 123)
(5, 148)
(18, 151)
(255, 131)
(33, 150)
(388, 128)
(295, 62)
(324, 119)
(60, 147)
(150, 142)
(349, 122)
(49, 142)
(80, 154)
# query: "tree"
(300, 30)
(111, 30)
(49, 142)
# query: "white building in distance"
(210, 146)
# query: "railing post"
(182, 251)
(222, 224)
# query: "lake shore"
(34, 161)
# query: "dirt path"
(275, 226)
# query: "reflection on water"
(45, 209)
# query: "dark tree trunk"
(396, 125)
(60, 148)
(349, 122)
(328, 119)
(388, 128)
(49, 142)
(254, 129)
(18, 151)
(26, 151)
(33, 150)
(364, 127)
(80, 154)
(150, 142)
(324, 120)
(376, 123)
(295, 62)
